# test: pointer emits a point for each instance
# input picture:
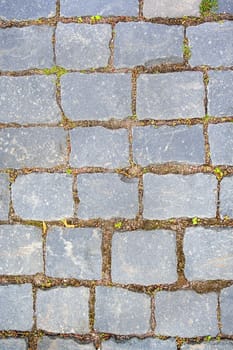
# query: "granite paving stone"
(47, 343)
(147, 44)
(144, 257)
(226, 307)
(221, 143)
(63, 310)
(22, 10)
(170, 8)
(172, 195)
(4, 196)
(140, 344)
(225, 6)
(226, 193)
(120, 311)
(170, 95)
(212, 345)
(110, 96)
(186, 314)
(11, 343)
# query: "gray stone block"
(213, 345)
(221, 143)
(140, 344)
(170, 8)
(226, 307)
(21, 250)
(11, 343)
(26, 47)
(43, 196)
(225, 6)
(147, 44)
(32, 147)
(63, 310)
(168, 144)
(110, 96)
(107, 196)
(82, 46)
(28, 99)
(74, 253)
(211, 44)
(208, 253)
(226, 193)
(120, 311)
(4, 196)
(170, 95)
(47, 343)
(20, 10)
(172, 195)
(186, 314)
(144, 257)
(16, 307)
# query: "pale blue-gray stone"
(147, 44)
(186, 314)
(140, 344)
(63, 310)
(170, 95)
(226, 194)
(47, 343)
(170, 8)
(212, 345)
(4, 196)
(11, 344)
(120, 311)
(225, 6)
(108, 96)
(226, 307)
(221, 143)
(27, 9)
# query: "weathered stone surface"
(32, 147)
(28, 99)
(11, 343)
(173, 195)
(211, 44)
(16, 307)
(186, 314)
(168, 144)
(47, 343)
(147, 44)
(100, 147)
(170, 8)
(63, 310)
(226, 306)
(100, 7)
(208, 253)
(140, 344)
(213, 345)
(74, 252)
(225, 6)
(220, 93)
(144, 257)
(20, 10)
(170, 95)
(26, 47)
(20, 250)
(43, 196)
(110, 96)
(120, 311)
(107, 196)
(82, 46)
(4, 196)
(221, 143)
(226, 193)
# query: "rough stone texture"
(220, 93)
(47, 343)
(173, 195)
(226, 193)
(16, 307)
(208, 253)
(170, 8)
(100, 7)
(168, 144)
(221, 143)
(32, 147)
(43, 196)
(20, 10)
(20, 250)
(226, 306)
(144, 257)
(140, 344)
(74, 253)
(99, 147)
(211, 44)
(110, 96)
(147, 44)
(82, 46)
(26, 47)
(28, 99)
(213, 345)
(10, 344)
(120, 311)
(107, 196)
(63, 310)
(4, 196)
(186, 314)
(170, 95)
(225, 6)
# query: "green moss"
(186, 50)
(218, 173)
(96, 18)
(59, 71)
(208, 7)
(118, 224)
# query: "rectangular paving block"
(74, 253)
(225, 6)
(82, 46)
(4, 196)
(212, 345)
(183, 144)
(22, 10)
(32, 147)
(186, 314)
(172, 195)
(28, 99)
(107, 196)
(226, 193)
(120, 311)
(108, 96)
(226, 307)
(26, 48)
(211, 44)
(20, 250)
(47, 343)
(140, 344)
(43, 196)
(63, 310)
(208, 253)
(221, 143)
(16, 307)
(170, 8)
(144, 257)
(170, 95)
(11, 343)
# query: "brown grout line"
(140, 12)
(106, 248)
(68, 148)
(219, 314)
(180, 232)
(34, 327)
(218, 200)
(152, 320)
(206, 144)
(58, 8)
(111, 48)
(130, 139)
(75, 195)
(140, 198)
(92, 309)
(44, 238)
(206, 119)
(134, 92)
(54, 44)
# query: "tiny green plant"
(79, 20)
(208, 338)
(195, 220)
(96, 18)
(59, 71)
(218, 173)
(208, 7)
(68, 171)
(118, 224)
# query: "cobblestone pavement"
(116, 175)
